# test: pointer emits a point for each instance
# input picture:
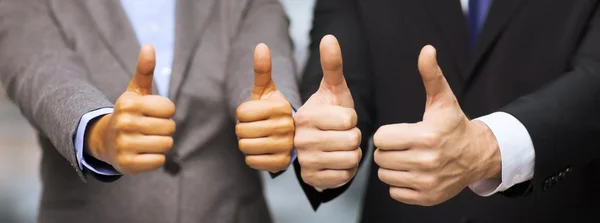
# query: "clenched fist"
(327, 140)
(134, 138)
(266, 126)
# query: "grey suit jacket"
(60, 59)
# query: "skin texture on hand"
(266, 127)
(429, 162)
(327, 139)
(134, 138)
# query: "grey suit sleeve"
(42, 74)
(264, 21)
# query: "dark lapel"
(497, 20)
(192, 19)
(449, 20)
(116, 31)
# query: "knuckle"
(241, 111)
(381, 174)
(353, 118)
(347, 119)
(377, 139)
(301, 119)
(170, 107)
(346, 175)
(429, 183)
(123, 142)
(284, 108)
(169, 142)
(431, 139)
(432, 161)
(307, 161)
(377, 157)
(156, 163)
(302, 141)
(251, 162)
(126, 104)
(356, 157)
(319, 179)
(287, 124)
(243, 145)
(171, 127)
(257, 163)
(124, 122)
(125, 161)
(287, 144)
(385, 176)
(160, 162)
(308, 177)
(283, 161)
(239, 130)
(396, 195)
(355, 137)
(379, 136)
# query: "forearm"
(42, 75)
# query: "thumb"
(436, 86)
(331, 63)
(262, 72)
(141, 83)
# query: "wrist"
(95, 137)
(486, 145)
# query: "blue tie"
(478, 9)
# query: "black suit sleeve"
(563, 118)
(340, 18)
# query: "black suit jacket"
(538, 60)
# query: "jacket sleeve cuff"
(83, 160)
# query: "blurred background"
(19, 159)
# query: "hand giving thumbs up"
(431, 161)
(266, 126)
(136, 135)
(327, 139)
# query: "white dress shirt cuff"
(517, 152)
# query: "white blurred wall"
(19, 157)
